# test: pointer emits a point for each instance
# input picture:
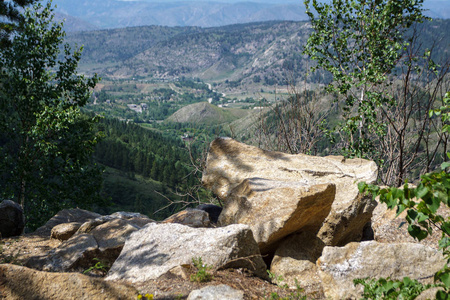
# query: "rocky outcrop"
(216, 292)
(158, 248)
(12, 220)
(338, 266)
(102, 239)
(274, 209)
(17, 283)
(230, 163)
(66, 216)
(190, 217)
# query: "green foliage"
(276, 279)
(202, 274)
(45, 140)
(360, 43)
(298, 294)
(391, 289)
(421, 204)
(10, 10)
(100, 266)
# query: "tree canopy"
(45, 140)
(9, 10)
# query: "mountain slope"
(265, 52)
(205, 113)
(252, 52)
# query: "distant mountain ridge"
(102, 14)
(265, 52)
(118, 14)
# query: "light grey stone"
(338, 266)
(158, 248)
(216, 292)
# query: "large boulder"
(229, 163)
(274, 209)
(17, 283)
(295, 262)
(12, 221)
(338, 266)
(156, 249)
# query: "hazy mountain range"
(84, 15)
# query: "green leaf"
(421, 191)
(441, 295)
(445, 278)
(416, 232)
(446, 228)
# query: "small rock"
(216, 292)
(64, 231)
(191, 217)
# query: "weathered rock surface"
(190, 217)
(275, 209)
(390, 229)
(338, 266)
(216, 292)
(17, 283)
(229, 163)
(157, 248)
(346, 221)
(12, 220)
(295, 261)
(66, 216)
(64, 231)
(103, 242)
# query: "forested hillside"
(140, 165)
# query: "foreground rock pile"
(298, 216)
